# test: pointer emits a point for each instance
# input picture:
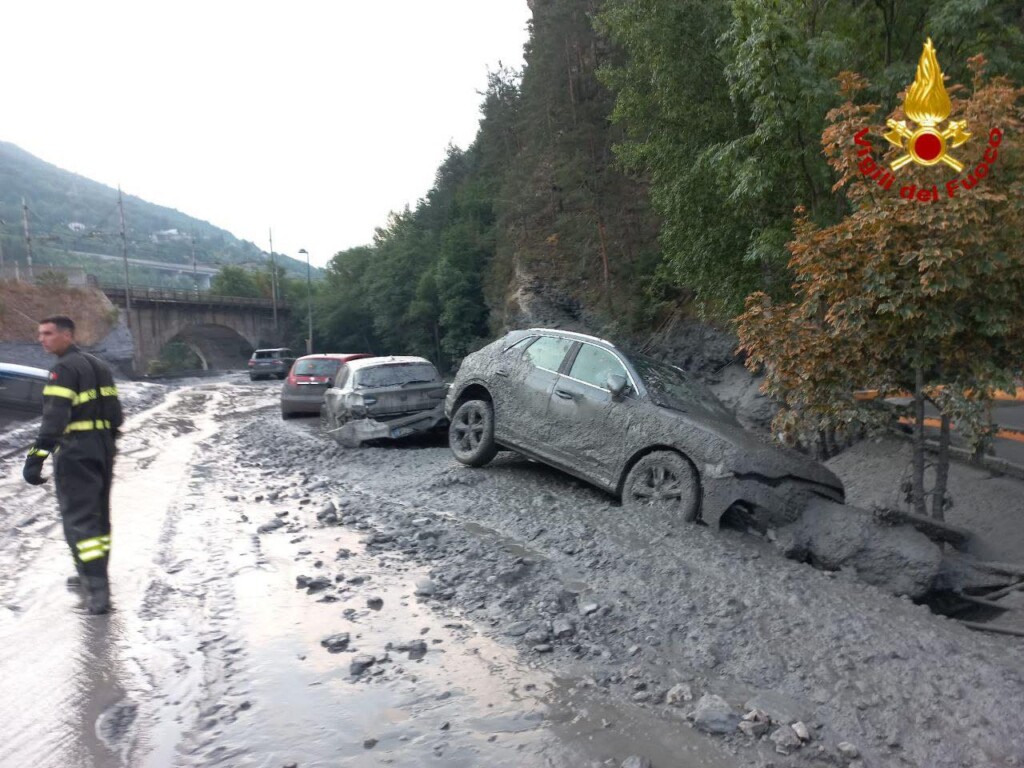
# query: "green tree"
(903, 295)
(235, 281)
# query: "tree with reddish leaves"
(903, 294)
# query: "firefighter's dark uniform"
(81, 414)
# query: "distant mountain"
(74, 221)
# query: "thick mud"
(505, 616)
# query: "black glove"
(33, 471)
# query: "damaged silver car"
(638, 428)
(384, 398)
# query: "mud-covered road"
(280, 600)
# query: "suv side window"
(594, 365)
(548, 352)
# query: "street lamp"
(309, 304)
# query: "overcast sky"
(315, 118)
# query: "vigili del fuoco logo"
(925, 141)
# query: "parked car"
(308, 380)
(638, 428)
(268, 363)
(21, 387)
(384, 397)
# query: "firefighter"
(81, 419)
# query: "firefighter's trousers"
(83, 471)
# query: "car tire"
(471, 433)
(663, 481)
(286, 414)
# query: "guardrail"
(143, 294)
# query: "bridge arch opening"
(206, 346)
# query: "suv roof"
(272, 349)
(343, 356)
(369, 362)
(565, 334)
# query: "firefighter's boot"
(97, 595)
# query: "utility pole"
(124, 251)
(273, 276)
(28, 237)
(309, 304)
(195, 272)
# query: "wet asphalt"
(549, 630)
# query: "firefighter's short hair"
(63, 322)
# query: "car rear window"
(396, 375)
(316, 367)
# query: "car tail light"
(252, 363)
(291, 379)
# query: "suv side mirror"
(616, 384)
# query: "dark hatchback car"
(384, 398)
(21, 387)
(270, 363)
(308, 380)
(636, 427)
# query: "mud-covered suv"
(637, 427)
(270, 363)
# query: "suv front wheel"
(471, 433)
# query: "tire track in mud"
(186, 620)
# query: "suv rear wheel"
(471, 433)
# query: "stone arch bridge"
(221, 330)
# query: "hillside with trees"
(74, 221)
(644, 166)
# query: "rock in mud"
(336, 643)
(678, 695)
(753, 728)
(361, 663)
(898, 559)
(801, 730)
(375, 602)
(635, 761)
(518, 629)
(301, 582)
(327, 514)
(714, 715)
(412, 646)
(273, 525)
(848, 750)
(318, 584)
(562, 628)
(786, 740)
(426, 588)
(782, 709)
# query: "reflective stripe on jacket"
(80, 397)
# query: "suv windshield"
(672, 388)
(396, 375)
(316, 367)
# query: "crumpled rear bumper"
(353, 433)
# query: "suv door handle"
(501, 371)
(565, 395)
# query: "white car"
(384, 398)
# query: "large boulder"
(895, 558)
